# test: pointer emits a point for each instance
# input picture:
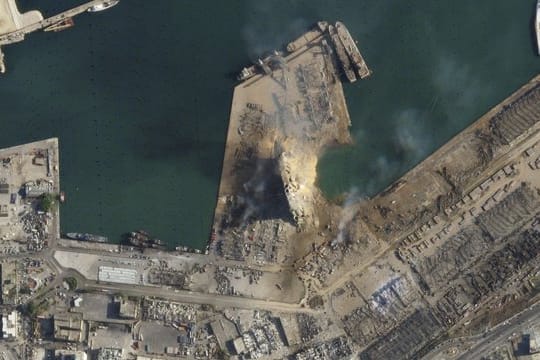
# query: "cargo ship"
(342, 54)
(103, 6)
(537, 26)
(352, 50)
(87, 237)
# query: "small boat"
(61, 25)
(537, 26)
(87, 237)
(2, 64)
(143, 239)
(103, 6)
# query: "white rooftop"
(10, 325)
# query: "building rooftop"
(128, 309)
(68, 327)
(10, 325)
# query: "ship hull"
(341, 54)
(87, 237)
(104, 6)
(352, 50)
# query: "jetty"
(14, 26)
(288, 107)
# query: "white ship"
(537, 26)
(103, 6)
(2, 64)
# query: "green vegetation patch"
(72, 282)
(48, 202)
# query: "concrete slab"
(11, 19)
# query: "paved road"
(221, 301)
(194, 297)
(500, 333)
(493, 337)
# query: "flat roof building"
(10, 325)
(68, 327)
(117, 275)
(239, 346)
(129, 309)
(37, 188)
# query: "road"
(220, 301)
(492, 338)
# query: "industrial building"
(117, 275)
(37, 188)
(10, 325)
(129, 309)
(68, 327)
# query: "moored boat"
(352, 50)
(61, 25)
(103, 6)
(342, 54)
(87, 237)
(2, 64)
(143, 239)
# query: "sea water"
(139, 96)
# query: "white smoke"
(412, 141)
(254, 187)
(348, 213)
(458, 89)
(266, 29)
(410, 137)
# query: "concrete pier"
(12, 20)
(280, 123)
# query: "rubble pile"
(407, 338)
(167, 311)
(35, 227)
(382, 311)
(335, 349)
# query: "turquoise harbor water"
(139, 96)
